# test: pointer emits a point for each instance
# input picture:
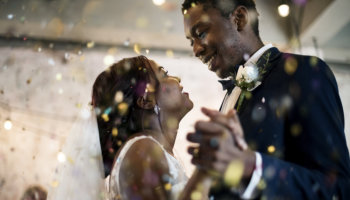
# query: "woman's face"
(170, 97)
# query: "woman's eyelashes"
(165, 72)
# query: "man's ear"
(240, 17)
(146, 102)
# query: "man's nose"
(198, 49)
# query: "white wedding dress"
(178, 177)
(81, 176)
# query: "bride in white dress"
(138, 108)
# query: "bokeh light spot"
(290, 65)
(234, 173)
(271, 149)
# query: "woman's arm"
(143, 172)
(197, 187)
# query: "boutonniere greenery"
(250, 77)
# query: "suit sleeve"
(316, 162)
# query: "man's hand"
(221, 143)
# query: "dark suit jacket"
(296, 113)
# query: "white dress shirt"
(228, 104)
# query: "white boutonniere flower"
(247, 77)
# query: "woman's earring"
(156, 109)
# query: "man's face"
(214, 38)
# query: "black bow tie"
(227, 85)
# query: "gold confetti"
(90, 44)
(142, 22)
(112, 50)
(122, 108)
(29, 81)
(291, 65)
(70, 159)
(295, 129)
(234, 173)
(271, 149)
(56, 26)
(137, 48)
(167, 186)
(54, 183)
(169, 53)
(193, 5)
(105, 117)
(185, 12)
(115, 132)
(150, 88)
(262, 184)
(313, 61)
(119, 143)
(196, 195)
(58, 76)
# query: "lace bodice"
(178, 177)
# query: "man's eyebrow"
(194, 27)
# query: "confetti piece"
(126, 42)
(90, 44)
(8, 124)
(290, 65)
(313, 61)
(61, 157)
(58, 76)
(271, 149)
(137, 48)
(169, 53)
(122, 108)
(115, 132)
(105, 117)
(158, 2)
(54, 184)
(167, 186)
(234, 173)
(119, 96)
(10, 16)
(108, 60)
(142, 22)
(196, 195)
(296, 129)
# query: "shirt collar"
(255, 57)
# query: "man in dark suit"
(286, 140)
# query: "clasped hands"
(222, 150)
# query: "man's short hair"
(226, 7)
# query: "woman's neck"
(164, 130)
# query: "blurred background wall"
(52, 50)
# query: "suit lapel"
(267, 61)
